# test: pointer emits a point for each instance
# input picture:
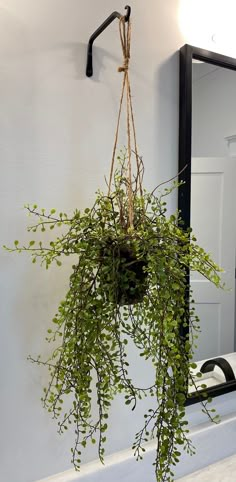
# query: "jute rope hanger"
(125, 38)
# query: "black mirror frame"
(187, 54)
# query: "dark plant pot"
(129, 283)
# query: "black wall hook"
(89, 67)
(127, 16)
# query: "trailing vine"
(112, 300)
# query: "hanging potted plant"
(128, 283)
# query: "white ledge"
(220, 472)
(213, 442)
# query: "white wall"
(56, 132)
(56, 137)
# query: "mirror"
(207, 144)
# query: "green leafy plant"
(128, 284)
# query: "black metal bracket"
(89, 67)
(209, 366)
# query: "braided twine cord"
(125, 38)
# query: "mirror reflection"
(213, 210)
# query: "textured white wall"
(56, 133)
(56, 136)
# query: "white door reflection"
(213, 202)
(213, 222)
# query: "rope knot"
(125, 66)
(125, 44)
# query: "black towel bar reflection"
(226, 368)
(89, 67)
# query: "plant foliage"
(128, 284)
